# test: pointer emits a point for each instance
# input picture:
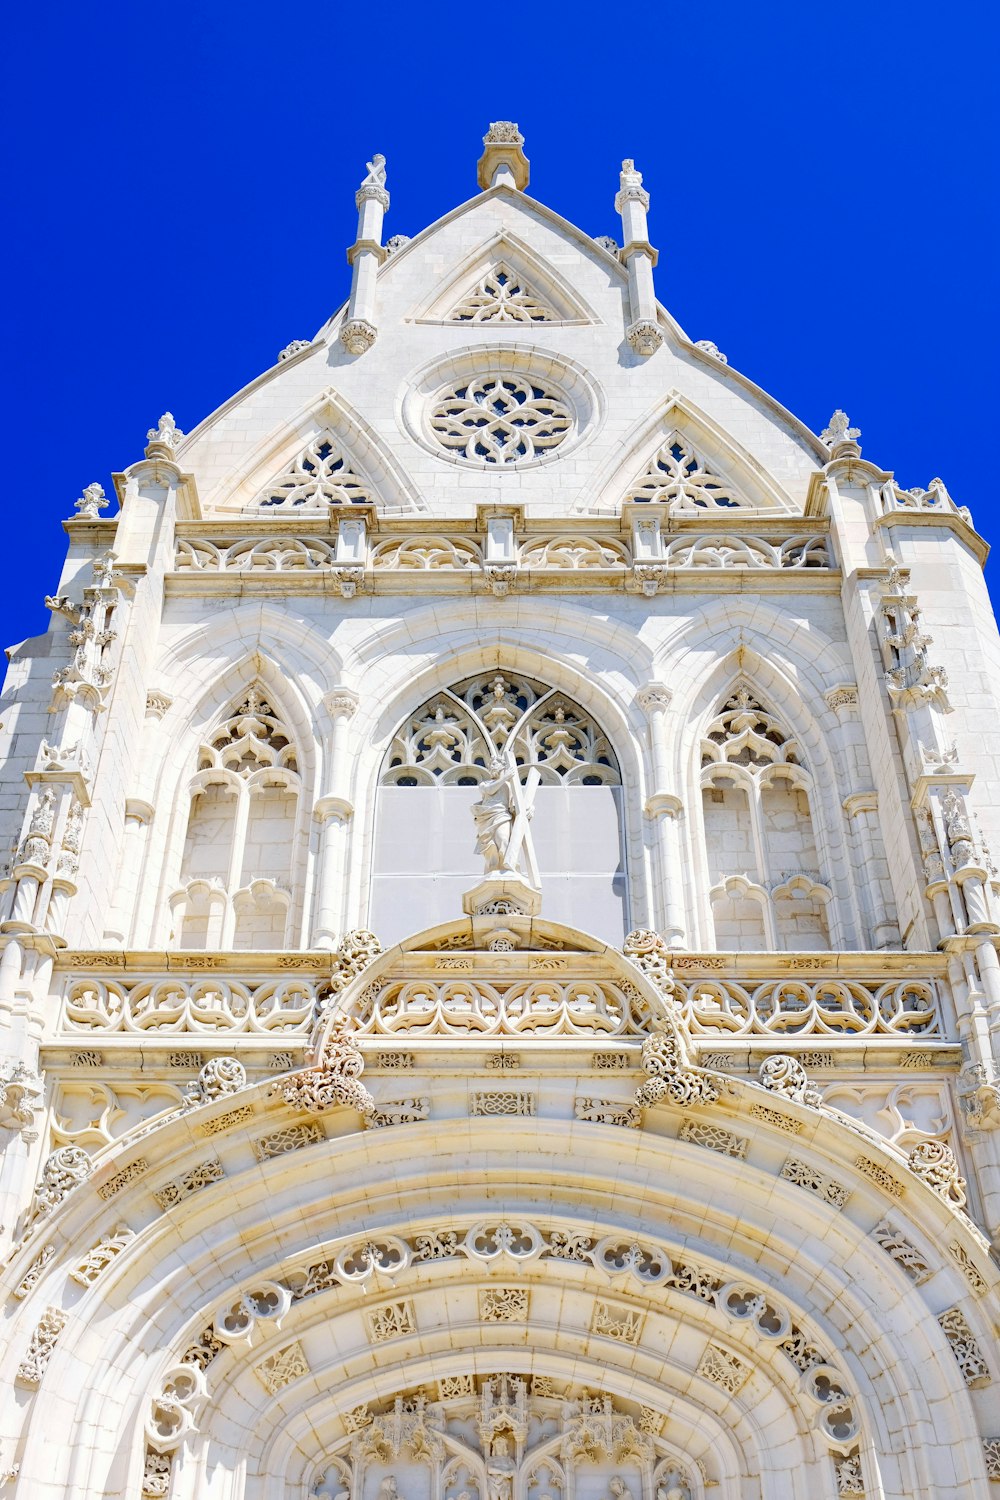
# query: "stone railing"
(362, 553)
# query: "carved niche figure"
(500, 1470)
(501, 815)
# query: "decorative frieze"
(503, 1304)
(501, 1102)
(401, 1111)
(33, 1274)
(607, 1112)
(228, 1121)
(135, 1169)
(777, 1118)
(969, 1270)
(880, 1175)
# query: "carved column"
(639, 257)
(334, 812)
(665, 811)
(138, 816)
(862, 809)
(365, 256)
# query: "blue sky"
(182, 178)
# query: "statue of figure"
(500, 1470)
(619, 1489)
(502, 815)
(675, 1490)
(376, 171)
(387, 1489)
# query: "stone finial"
(163, 438)
(840, 437)
(91, 503)
(503, 162)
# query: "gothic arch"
(734, 466)
(173, 782)
(566, 304)
(328, 414)
(765, 1237)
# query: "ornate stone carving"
(218, 1077)
(850, 1480)
(33, 1274)
(784, 1075)
(501, 1102)
(708, 347)
(43, 1341)
(155, 1474)
(163, 438)
(193, 1181)
(840, 437)
(723, 1368)
(333, 1080)
(607, 1112)
(90, 504)
(358, 335)
(969, 1270)
(816, 1182)
(320, 476)
(677, 476)
(991, 1452)
(282, 1368)
(103, 1254)
(613, 1320)
(500, 578)
(500, 419)
(644, 336)
(934, 1163)
(396, 242)
(896, 1245)
(965, 1348)
(714, 1138)
(501, 296)
(390, 1321)
(64, 1170)
(295, 347)
(290, 1138)
(20, 1099)
(503, 1304)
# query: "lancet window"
(320, 476)
(679, 477)
(425, 840)
(235, 888)
(766, 888)
(503, 297)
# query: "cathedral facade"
(499, 994)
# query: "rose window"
(500, 419)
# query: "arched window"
(766, 890)
(425, 841)
(236, 868)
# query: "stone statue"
(500, 1470)
(501, 815)
(376, 171)
(675, 1490)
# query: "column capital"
(663, 805)
(337, 808)
(341, 702)
(654, 697)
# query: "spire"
(503, 162)
(639, 257)
(365, 256)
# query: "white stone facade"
(499, 993)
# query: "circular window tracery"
(500, 419)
